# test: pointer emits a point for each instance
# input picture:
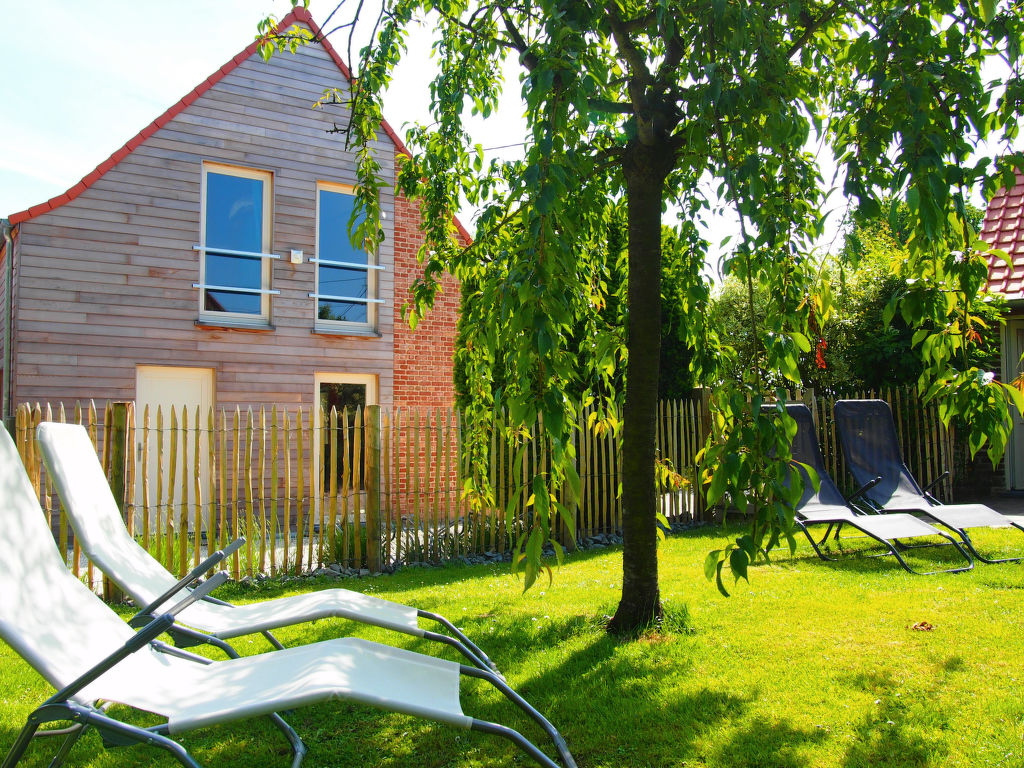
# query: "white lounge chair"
(82, 485)
(85, 651)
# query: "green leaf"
(801, 342)
(738, 564)
(541, 499)
(718, 580)
(711, 563)
(559, 552)
(812, 475)
(572, 477)
(718, 485)
(1015, 396)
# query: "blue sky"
(83, 77)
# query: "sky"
(84, 76)
(93, 74)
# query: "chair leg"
(272, 640)
(70, 741)
(518, 739)
(970, 545)
(298, 747)
(17, 749)
(85, 717)
(519, 701)
(466, 647)
(906, 566)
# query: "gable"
(1003, 228)
(319, 66)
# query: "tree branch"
(639, 23)
(813, 26)
(639, 76)
(674, 50)
(613, 107)
(527, 57)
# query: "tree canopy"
(645, 102)
(856, 350)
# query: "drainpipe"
(5, 406)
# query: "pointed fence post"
(371, 482)
(705, 514)
(118, 454)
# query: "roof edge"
(297, 14)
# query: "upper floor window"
(234, 265)
(346, 275)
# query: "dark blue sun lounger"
(872, 449)
(828, 506)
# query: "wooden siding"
(105, 280)
(4, 256)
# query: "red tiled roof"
(297, 14)
(1004, 229)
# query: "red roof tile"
(297, 14)
(1003, 228)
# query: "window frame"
(372, 267)
(238, 318)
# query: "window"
(346, 276)
(234, 266)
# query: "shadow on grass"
(404, 579)
(762, 743)
(891, 734)
(888, 736)
(615, 703)
(863, 554)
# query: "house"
(1003, 228)
(207, 262)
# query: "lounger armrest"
(199, 592)
(194, 574)
(139, 640)
(864, 489)
(935, 482)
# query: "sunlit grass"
(811, 664)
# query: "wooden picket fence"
(375, 487)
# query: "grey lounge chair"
(827, 506)
(872, 449)
(79, 479)
(85, 651)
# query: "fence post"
(116, 437)
(705, 514)
(371, 482)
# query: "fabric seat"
(871, 446)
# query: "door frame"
(1013, 465)
(208, 385)
(370, 380)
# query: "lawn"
(812, 664)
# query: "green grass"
(812, 664)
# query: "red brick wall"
(423, 358)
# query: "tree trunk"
(645, 168)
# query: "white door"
(167, 387)
(1012, 351)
